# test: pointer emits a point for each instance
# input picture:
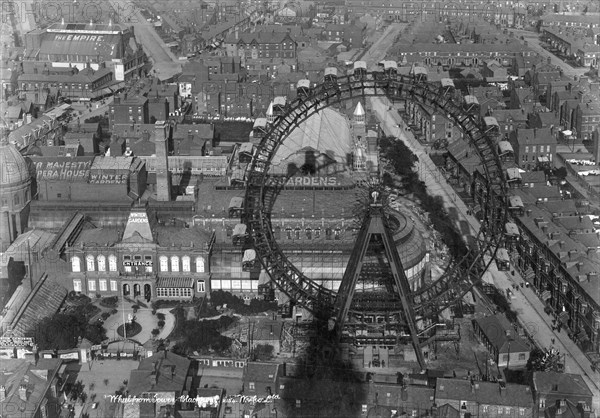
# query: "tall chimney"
(163, 176)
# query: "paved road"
(378, 50)
(533, 42)
(527, 304)
(145, 33)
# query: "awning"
(513, 174)
(529, 274)
(260, 123)
(239, 229)
(502, 255)
(236, 203)
(563, 317)
(487, 278)
(582, 335)
(249, 255)
(504, 147)
(546, 294)
(247, 147)
(515, 202)
(511, 228)
(172, 282)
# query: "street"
(533, 42)
(379, 49)
(528, 306)
(145, 34)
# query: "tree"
(62, 330)
(545, 361)
(263, 352)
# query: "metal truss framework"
(460, 275)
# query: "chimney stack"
(23, 392)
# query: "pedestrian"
(553, 340)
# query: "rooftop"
(489, 393)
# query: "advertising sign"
(69, 169)
(16, 342)
(306, 181)
(96, 178)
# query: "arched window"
(174, 263)
(101, 263)
(90, 263)
(75, 264)
(199, 264)
(185, 264)
(112, 262)
(164, 263)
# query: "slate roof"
(496, 327)
(171, 374)
(567, 383)
(488, 393)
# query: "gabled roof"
(489, 393)
(562, 384)
(539, 136)
(501, 334)
(170, 369)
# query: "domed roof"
(13, 167)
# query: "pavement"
(528, 306)
(378, 50)
(145, 34)
(98, 109)
(101, 378)
(533, 42)
(143, 317)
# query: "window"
(504, 357)
(148, 263)
(533, 149)
(463, 404)
(521, 412)
(200, 264)
(251, 385)
(521, 356)
(507, 410)
(174, 263)
(127, 263)
(164, 263)
(102, 285)
(76, 265)
(281, 387)
(90, 263)
(112, 262)
(364, 409)
(185, 263)
(101, 263)
(485, 408)
(92, 285)
(77, 285)
(200, 287)
(526, 149)
(298, 403)
(113, 285)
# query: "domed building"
(15, 192)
